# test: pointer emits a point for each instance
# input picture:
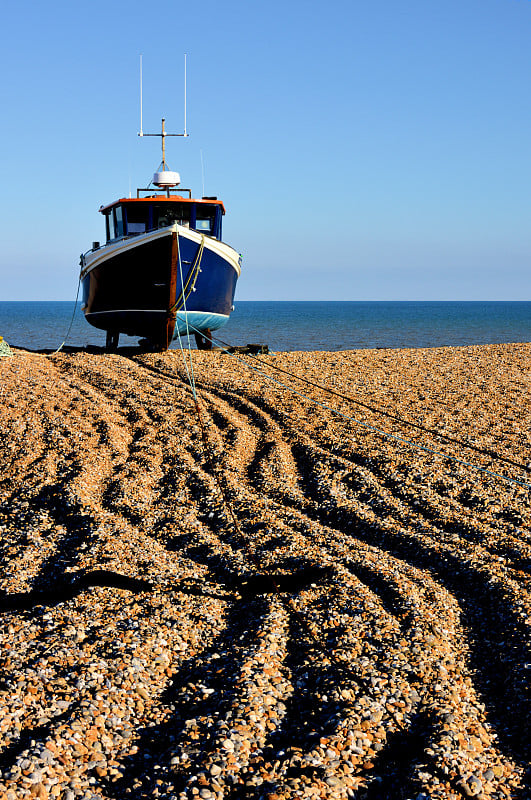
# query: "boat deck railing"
(163, 192)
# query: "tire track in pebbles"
(226, 701)
(493, 616)
(312, 459)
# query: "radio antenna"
(164, 177)
(185, 134)
(163, 134)
(141, 131)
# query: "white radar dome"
(166, 178)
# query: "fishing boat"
(164, 270)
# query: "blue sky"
(364, 150)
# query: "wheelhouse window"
(114, 223)
(205, 217)
(137, 217)
(165, 214)
(133, 217)
(118, 222)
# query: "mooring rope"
(374, 428)
(191, 278)
(71, 320)
(189, 372)
(384, 413)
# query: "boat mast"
(163, 135)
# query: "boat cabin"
(135, 215)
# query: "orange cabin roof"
(161, 198)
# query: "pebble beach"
(280, 589)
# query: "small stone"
(471, 786)
(40, 791)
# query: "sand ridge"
(143, 656)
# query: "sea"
(298, 325)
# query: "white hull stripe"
(95, 258)
(127, 311)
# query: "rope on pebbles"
(379, 431)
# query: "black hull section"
(130, 291)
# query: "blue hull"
(214, 288)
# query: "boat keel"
(204, 340)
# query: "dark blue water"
(301, 325)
